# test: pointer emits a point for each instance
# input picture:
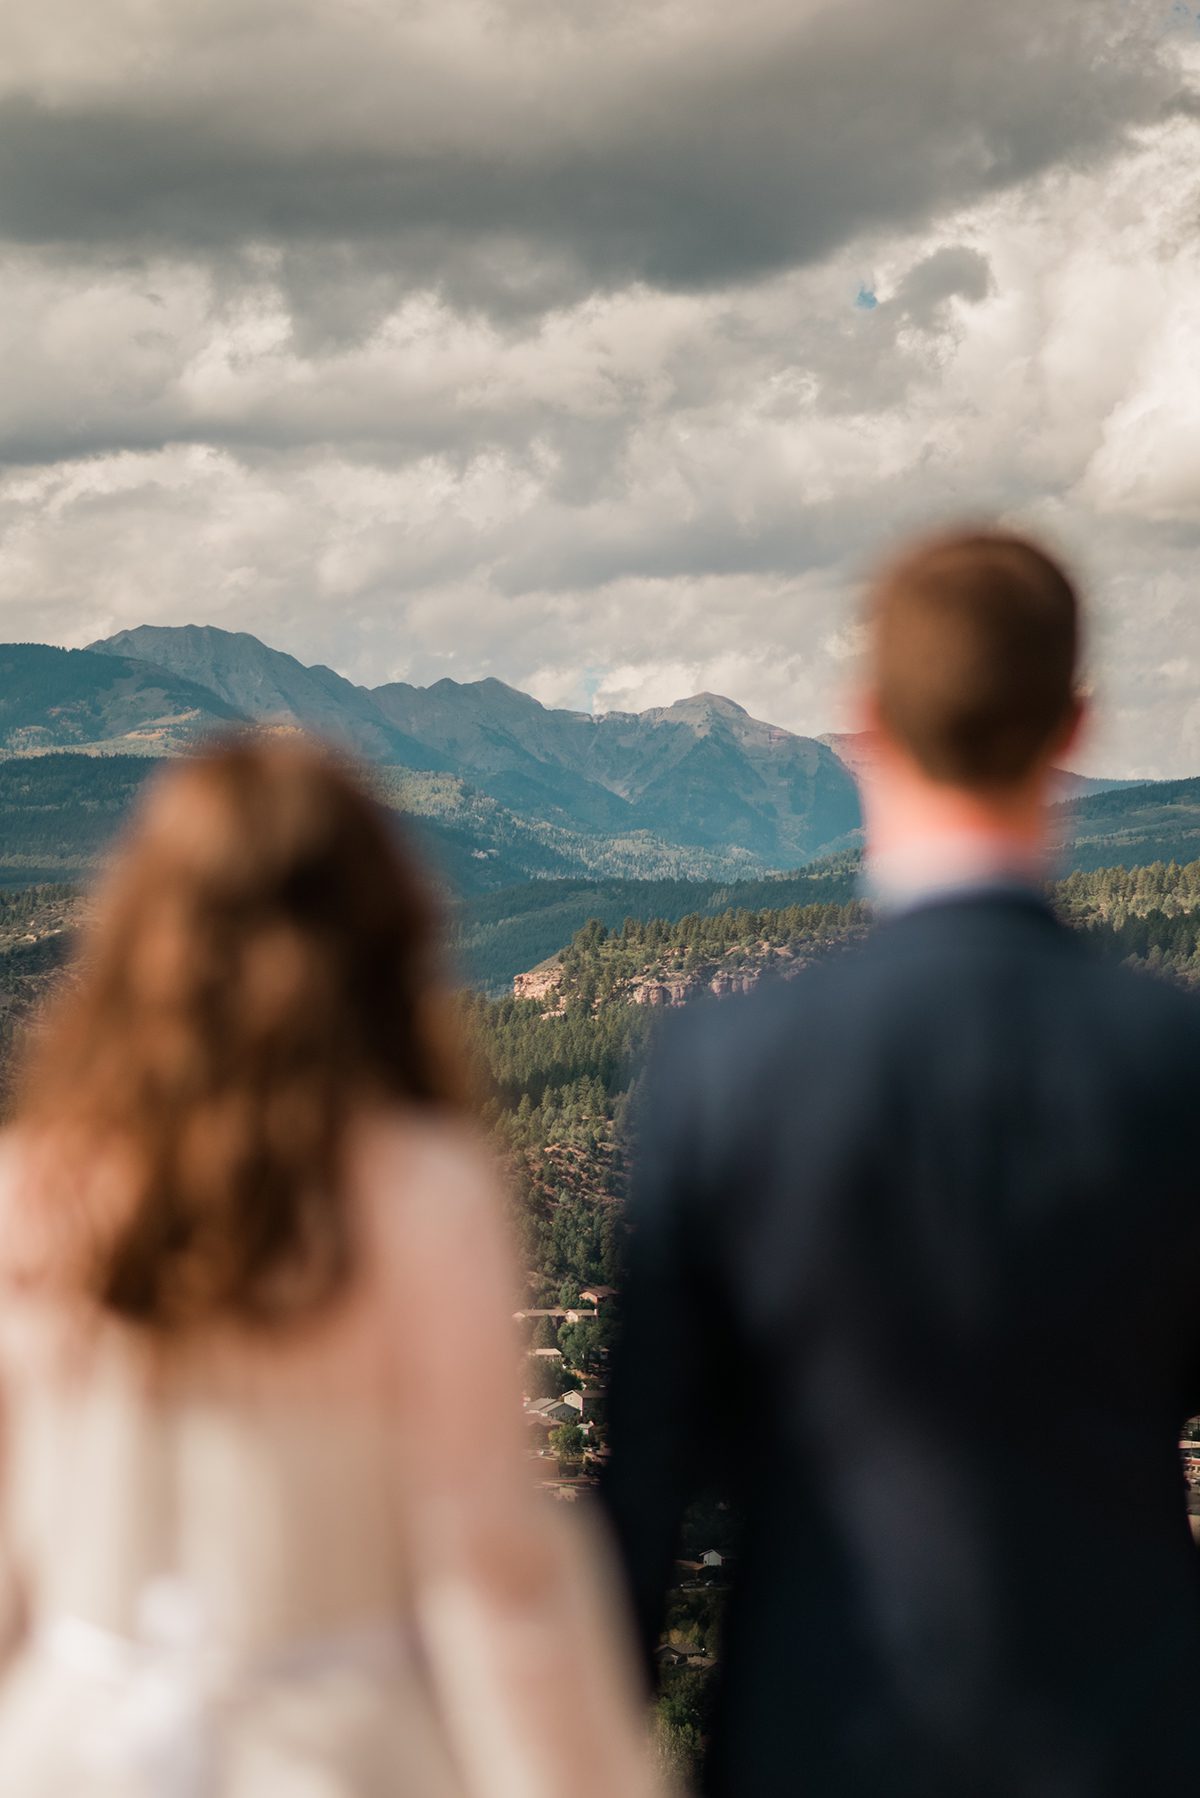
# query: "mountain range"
(502, 789)
(701, 774)
(697, 788)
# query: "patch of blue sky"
(590, 682)
(865, 300)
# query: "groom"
(914, 1280)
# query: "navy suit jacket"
(914, 1278)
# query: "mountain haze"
(1132, 826)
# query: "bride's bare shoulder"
(409, 1161)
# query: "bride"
(266, 1523)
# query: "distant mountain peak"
(176, 642)
(703, 705)
(488, 689)
(208, 633)
(270, 685)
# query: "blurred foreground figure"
(266, 1526)
(914, 1278)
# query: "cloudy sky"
(599, 344)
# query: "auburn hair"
(976, 647)
(259, 967)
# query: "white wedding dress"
(309, 1565)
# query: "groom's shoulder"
(904, 983)
(732, 1040)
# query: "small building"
(550, 1412)
(597, 1295)
(584, 1403)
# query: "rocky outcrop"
(721, 978)
(672, 979)
(540, 983)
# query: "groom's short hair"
(976, 647)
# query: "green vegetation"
(546, 1378)
(681, 1719)
(498, 935)
(479, 843)
(35, 911)
(568, 1442)
(502, 933)
(560, 1070)
(1147, 917)
(1110, 895)
(61, 812)
(558, 1095)
(660, 962)
(1133, 825)
(560, 1074)
(72, 698)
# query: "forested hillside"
(1148, 917)
(560, 1063)
(1159, 821)
(52, 698)
(596, 959)
(498, 935)
(60, 813)
(520, 929)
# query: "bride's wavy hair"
(259, 967)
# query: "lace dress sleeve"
(519, 1623)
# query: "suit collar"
(991, 907)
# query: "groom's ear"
(866, 711)
(1075, 725)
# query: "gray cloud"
(515, 161)
(953, 272)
